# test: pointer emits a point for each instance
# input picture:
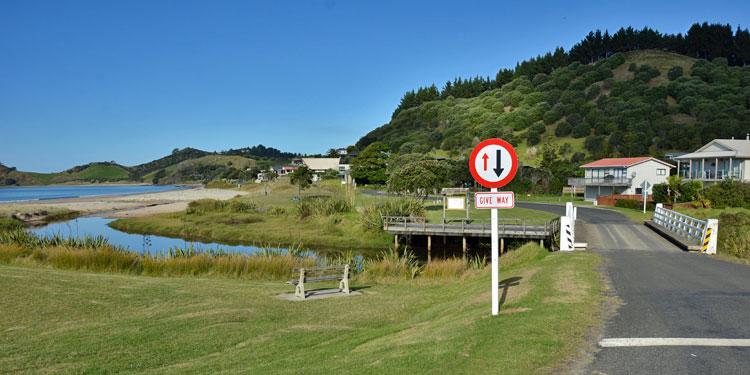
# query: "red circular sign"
(493, 163)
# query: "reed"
(391, 264)
(451, 268)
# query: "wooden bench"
(338, 273)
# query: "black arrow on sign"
(498, 163)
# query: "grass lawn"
(76, 322)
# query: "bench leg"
(344, 286)
(299, 291)
(344, 283)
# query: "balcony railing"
(599, 181)
(711, 175)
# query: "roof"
(321, 164)
(622, 162)
(721, 148)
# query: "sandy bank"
(127, 205)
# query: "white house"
(620, 176)
(718, 160)
(321, 165)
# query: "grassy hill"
(640, 102)
(181, 166)
(204, 168)
(93, 172)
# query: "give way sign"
(493, 163)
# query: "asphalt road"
(665, 293)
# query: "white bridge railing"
(696, 231)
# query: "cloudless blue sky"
(129, 81)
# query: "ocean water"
(35, 193)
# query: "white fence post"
(567, 234)
(710, 236)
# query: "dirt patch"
(580, 362)
(245, 313)
(514, 291)
(513, 310)
(569, 287)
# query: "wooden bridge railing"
(419, 224)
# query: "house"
(718, 160)
(623, 176)
(322, 165)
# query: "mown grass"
(77, 322)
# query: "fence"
(702, 233)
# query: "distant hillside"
(92, 172)
(203, 169)
(188, 165)
(640, 102)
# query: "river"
(151, 244)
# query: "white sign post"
(493, 164)
(644, 190)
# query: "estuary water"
(35, 193)
(144, 244)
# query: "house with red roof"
(624, 176)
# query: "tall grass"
(203, 206)
(372, 216)
(323, 206)
(391, 264)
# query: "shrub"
(634, 204)
(690, 191)
(563, 129)
(203, 206)
(322, 207)
(240, 206)
(729, 193)
(674, 73)
(734, 234)
(661, 193)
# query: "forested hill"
(633, 103)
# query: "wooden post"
(464, 248)
(541, 243)
(502, 245)
(395, 241)
(429, 249)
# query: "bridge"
(507, 228)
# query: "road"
(665, 293)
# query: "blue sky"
(129, 81)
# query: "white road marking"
(670, 341)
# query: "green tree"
(302, 177)
(419, 177)
(370, 165)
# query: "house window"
(639, 191)
(661, 172)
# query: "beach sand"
(125, 205)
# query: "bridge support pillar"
(395, 241)
(541, 243)
(464, 248)
(502, 245)
(429, 249)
